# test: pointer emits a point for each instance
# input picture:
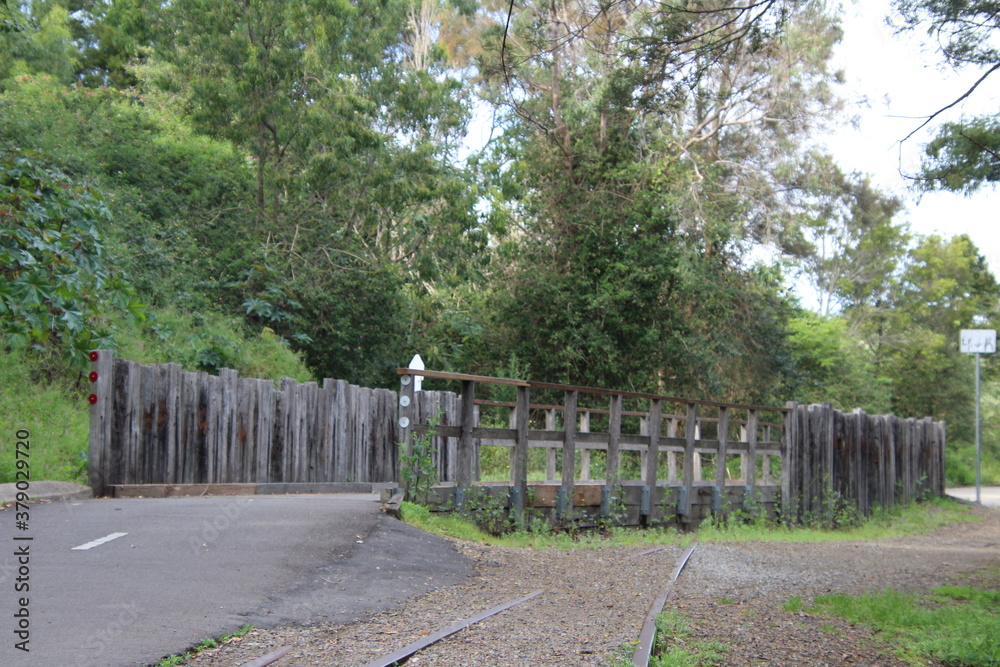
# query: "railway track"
(640, 657)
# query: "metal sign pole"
(979, 454)
(978, 342)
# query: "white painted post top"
(981, 341)
(417, 364)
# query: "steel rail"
(269, 658)
(408, 650)
(642, 652)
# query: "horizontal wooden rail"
(625, 413)
(485, 379)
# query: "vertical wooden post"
(653, 449)
(696, 465)
(101, 413)
(743, 454)
(512, 424)
(405, 421)
(720, 458)
(942, 441)
(690, 423)
(519, 469)
(565, 504)
(789, 463)
(751, 478)
(614, 443)
(466, 465)
(585, 453)
(173, 411)
(550, 452)
(671, 455)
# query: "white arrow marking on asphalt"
(97, 543)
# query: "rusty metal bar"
(648, 633)
(269, 658)
(410, 649)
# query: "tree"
(852, 247)
(963, 156)
(833, 365)
(39, 42)
(946, 287)
(621, 173)
(55, 290)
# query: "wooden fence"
(816, 463)
(865, 460)
(161, 425)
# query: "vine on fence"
(418, 470)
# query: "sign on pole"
(981, 341)
(978, 342)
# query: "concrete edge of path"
(45, 491)
(990, 494)
(70, 491)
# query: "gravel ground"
(596, 599)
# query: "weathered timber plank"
(653, 428)
(101, 419)
(722, 450)
(464, 473)
(569, 445)
(612, 470)
(690, 425)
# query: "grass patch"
(205, 645)
(793, 605)
(40, 398)
(912, 519)
(452, 525)
(674, 646)
(957, 626)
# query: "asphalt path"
(990, 495)
(193, 568)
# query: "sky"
(904, 83)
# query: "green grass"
(451, 525)
(52, 407)
(674, 646)
(957, 626)
(205, 644)
(912, 519)
(917, 518)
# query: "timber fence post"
(614, 456)
(466, 466)
(564, 504)
(407, 412)
(652, 455)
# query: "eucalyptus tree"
(965, 155)
(352, 116)
(643, 144)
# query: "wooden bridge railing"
(575, 435)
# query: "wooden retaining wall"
(867, 460)
(158, 424)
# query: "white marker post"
(978, 342)
(417, 364)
